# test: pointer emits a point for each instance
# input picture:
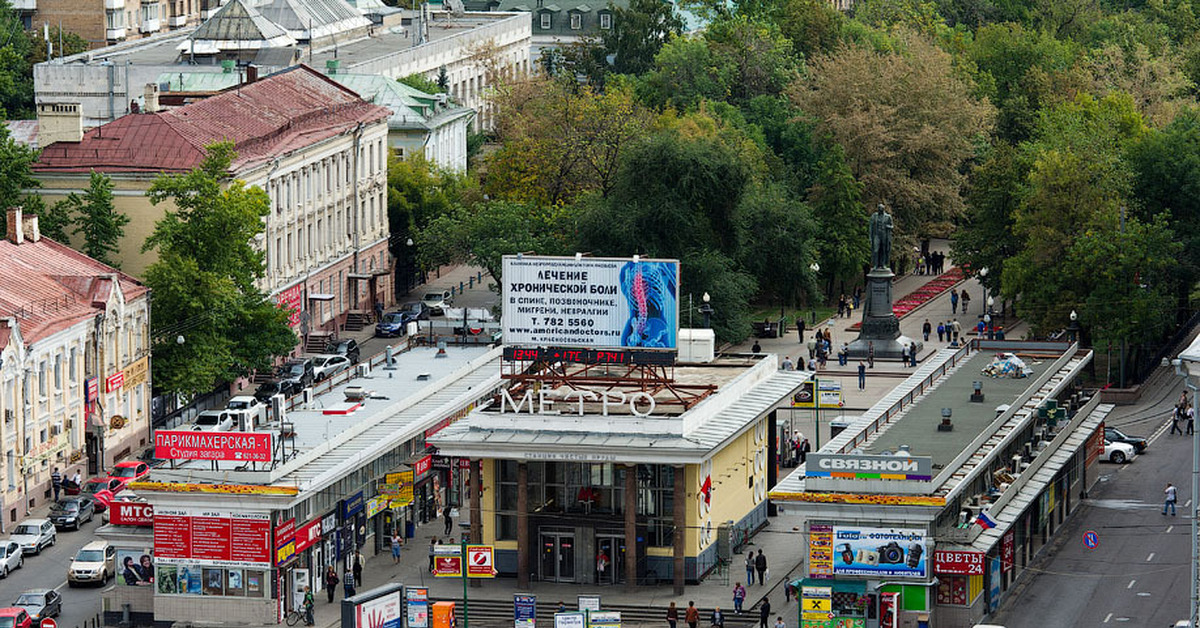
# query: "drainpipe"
(358, 129)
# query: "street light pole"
(707, 310)
(1194, 588)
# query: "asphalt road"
(1138, 574)
(48, 570)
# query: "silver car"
(34, 534)
(11, 557)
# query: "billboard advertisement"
(234, 446)
(590, 302)
(880, 552)
(184, 536)
(830, 394)
(381, 612)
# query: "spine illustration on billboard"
(649, 288)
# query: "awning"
(320, 296)
(358, 276)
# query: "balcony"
(110, 5)
(177, 21)
(24, 5)
(114, 34)
(150, 26)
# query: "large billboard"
(881, 552)
(591, 302)
(184, 536)
(193, 445)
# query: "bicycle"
(294, 617)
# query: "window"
(545, 21)
(606, 21)
(114, 19)
(149, 12)
(278, 254)
(42, 380)
(74, 372)
(58, 381)
(576, 21)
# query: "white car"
(213, 421)
(438, 302)
(33, 535)
(250, 406)
(1119, 453)
(326, 366)
(11, 557)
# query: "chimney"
(59, 122)
(15, 233)
(30, 230)
(251, 73)
(152, 98)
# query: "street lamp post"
(707, 310)
(1184, 367)
(1073, 328)
(815, 268)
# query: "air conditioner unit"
(363, 369)
(306, 396)
(1018, 463)
(55, 430)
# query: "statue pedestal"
(880, 326)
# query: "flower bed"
(924, 294)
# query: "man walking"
(804, 448)
(800, 327)
(957, 330)
(862, 375)
(692, 615)
(56, 482)
(954, 301)
(348, 583)
(966, 300)
(1170, 499)
(1176, 415)
(447, 519)
(764, 613)
(750, 567)
(309, 602)
(760, 565)
(941, 331)
(926, 329)
(904, 355)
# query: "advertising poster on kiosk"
(880, 552)
(418, 607)
(590, 302)
(381, 612)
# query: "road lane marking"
(1131, 584)
(1107, 618)
(61, 585)
(1169, 528)
(1187, 503)
(1143, 594)
(1150, 557)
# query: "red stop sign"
(49, 623)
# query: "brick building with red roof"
(74, 365)
(316, 147)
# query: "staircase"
(316, 341)
(356, 320)
(499, 613)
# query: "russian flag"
(984, 521)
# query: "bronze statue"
(881, 238)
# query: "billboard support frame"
(645, 378)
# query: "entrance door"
(558, 556)
(92, 446)
(612, 548)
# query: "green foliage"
(483, 234)
(686, 72)
(95, 218)
(842, 243)
(777, 243)
(418, 81)
(639, 32)
(986, 238)
(15, 175)
(204, 280)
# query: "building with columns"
(74, 366)
(662, 482)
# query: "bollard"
(460, 287)
(471, 282)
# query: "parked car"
(33, 535)
(298, 373)
(73, 512)
(40, 604)
(347, 347)
(1119, 453)
(437, 302)
(102, 491)
(11, 557)
(213, 421)
(250, 406)
(396, 323)
(129, 471)
(13, 617)
(326, 366)
(95, 562)
(269, 389)
(1117, 436)
(148, 456)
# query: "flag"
(984, 521)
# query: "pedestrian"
(841, 306)
(432, 548)
(562, 608)
(957, 329)
(739, 596)
(308, 606)
(750, 567)
(358, 567)
(799, 327)
(912, 354)
(804, 448)
(787, 365)
(1170, 499)
(331, 582)
(779, 623)
(857, 296)
(691, 615)
(1191, 420)
(760, 565)
(718, 618)
(77, 479)
(812, 347)
(904, 355)
(862, 375)
(764, 613)
(871, 353)
(55, 482)
(926, 329)
(966, 300)
(672, 616)
(999, 333)
(953, 301)
(1176, 415)
(348, 582)
(446, 518)
(601, 564)
(397, 543)
(756, 348)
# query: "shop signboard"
(292, 300)
(376, 505)
(880, 552)
(820, 551)
(114, 382)
(604, 619)
(380, 612)
(816, 603)
(963, 563)
(447, 561)
(91, 389)
(524, 611)
(130, 514)
(308, 535)
(480, 561)
(1007, 551)
(418, 607)
(869, 467)
(403, 482)
(590, 302)
(994, 589)
(352, 505)
(285, 542)
(192, 536)
(422, 466)
(233, 446)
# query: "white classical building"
(74, 365)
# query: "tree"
(204, 280)
(483, 234)
(95, 218)
(15, 175)
(687, 71)
(16, 76)
(418, 81)
(986, 237)
(841, 236)
(907, 122)
(638, 32)
(762, 58)
(777, 243)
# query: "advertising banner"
(130, 514)
(570, 620)
(381, 612)
(590, 302)
(820, 551)
(135, 567)
(220, 539)
(285, 542)
(604, 619)
(960, 563)
(869, 467)
(524, 611)
(480, 561)
(418, 607)
(447, 561)
(816, 603)
(830, 394)
(880, 552)
(422, 466)
(308, 535)
(1007, 551)
(233, 446)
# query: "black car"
(40, 604)
(72, 512)
(347, 347)
(147, 456)
(269, 389)
(298, 373)
(1115, 435)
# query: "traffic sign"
(49, 623)
(1091, 540)
(480, 561)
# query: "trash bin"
(410, 530)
